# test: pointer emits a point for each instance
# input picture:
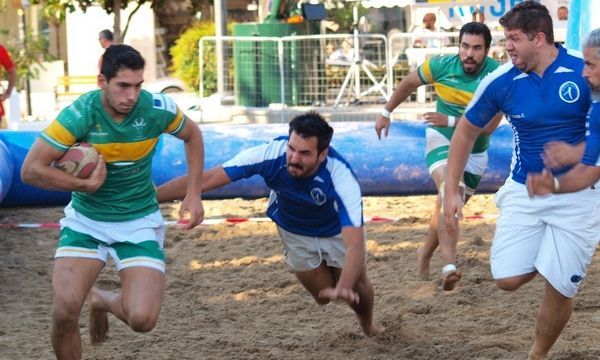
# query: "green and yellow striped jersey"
(127, 148)
(454, 88)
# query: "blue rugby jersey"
(540, 109)
(591, 155)
(319, 205)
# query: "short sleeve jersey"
(591, 155)
(454, 88)
(127, 147)
(319, 205)
(552, 107)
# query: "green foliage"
(28, 56)
(185, 57)
(340, 11)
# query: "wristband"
(451, 121)
(555, 185)
(385, 113)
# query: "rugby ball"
(79, 160)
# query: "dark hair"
(530, 17)
(476, 28)
(106, 34)
(117, 57)
(312, 124)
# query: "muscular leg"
(324, 276)
(425, 251)
(553, 315)
(72, 279)
(138, 304)
(438, 234)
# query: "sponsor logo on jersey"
(569, 92)
(318, 196)
(139, 124)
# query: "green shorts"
(130, 243)
(436, 148)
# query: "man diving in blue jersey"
(546, 100)
(316, 203)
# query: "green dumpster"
(257, 68)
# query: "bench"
(69, 87)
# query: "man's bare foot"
(98, 321)
(373, 329)
(422, 265)
(450, 278)
(532, 356)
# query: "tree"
(57, 10)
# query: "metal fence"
(328, 71)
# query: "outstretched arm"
(176, 189)
(354, 265)
(404, 89)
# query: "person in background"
(562, 13)
(425, 34)
(106, 39)
(478, 16)
(9, 66)
(455, 78)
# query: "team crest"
(569, 92)
(318, 196)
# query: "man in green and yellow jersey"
(114, 211)
(455, 78)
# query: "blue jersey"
(319, 205)
(540, 109)
(591, 155)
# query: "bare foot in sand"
(373, 329)
(98, 321)
(422, 265)
(532, 356)
(449, 279)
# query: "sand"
(230, 296)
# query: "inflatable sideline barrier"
(391, 166)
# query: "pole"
(23, 35)
(220, 30)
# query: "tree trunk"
(117, 21)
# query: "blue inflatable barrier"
(391, 166)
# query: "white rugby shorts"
(554, 234)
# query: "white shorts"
(130, 243)
(555, 235)
(304, 253)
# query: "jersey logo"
(139, 124)
(569, 92)
(318, 196)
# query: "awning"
(386, 3)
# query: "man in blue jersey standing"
(316, 203)
(546, 100)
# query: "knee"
(508, 284)
(66, 309)
(141, 322)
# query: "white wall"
(83, 49)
